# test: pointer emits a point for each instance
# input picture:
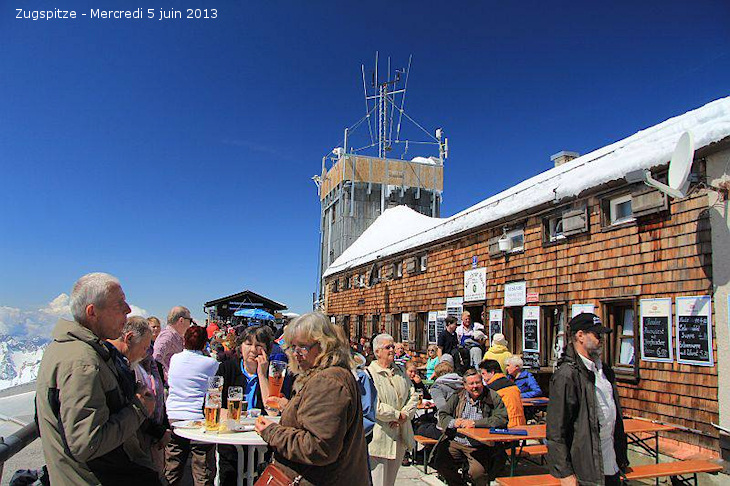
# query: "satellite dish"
(680, 167)
(681, 163)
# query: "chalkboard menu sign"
(531, 360)
(531, 328)
(694, 331)
(404, 328)
(440, 322)
(495, 322)
(656, 330)
(432, 327)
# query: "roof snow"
(400, 228)
(426, 160)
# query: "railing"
(16, 442)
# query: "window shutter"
(645, 200)
(411, 266)
(494, 247)
(575, 221)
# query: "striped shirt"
(471, 412)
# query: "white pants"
(475, 355)
(384, 471)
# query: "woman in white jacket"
(397, 402)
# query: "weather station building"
(355, 188)
(602, 233)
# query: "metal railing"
(16, 442)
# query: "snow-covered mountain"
(20, 359)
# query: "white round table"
(250, 440)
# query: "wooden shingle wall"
(665, 255)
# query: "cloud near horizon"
(31, 323)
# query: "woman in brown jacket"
(320, 436)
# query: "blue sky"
(178, 154)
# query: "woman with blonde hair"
(320, 437)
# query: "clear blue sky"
(177, 155)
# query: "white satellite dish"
(680, 167)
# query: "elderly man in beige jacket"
(397, 402)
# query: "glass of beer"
(235, 403)
(212, 411)
(277, 371)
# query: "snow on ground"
(646, 149)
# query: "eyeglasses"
(192, 322)
(302, 349)
(388, 346)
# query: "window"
(422, 263)
(335, 285)
(620, 209)
(620, 350)
(398, 269)
(554, 317)
(375, 324)
(346, 285)
(360, 330)
(346, 326)
(517, 238)
(554, 228)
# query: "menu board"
(515, 294)
(455, 307)
(495, 322)
(530, 359)
(404, 327)
(694, 331)
(656, 330)
(531, 329)
(432, 336)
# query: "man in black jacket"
(585, 433)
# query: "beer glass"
(212, 411)
(235, 403)
(277, 371)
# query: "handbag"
(273, 476)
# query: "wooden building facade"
(610, 247)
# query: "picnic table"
(251, 440)
(535, 402)
(632, 427)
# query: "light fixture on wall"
(504, 242)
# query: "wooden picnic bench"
(427, 443)
(677, 469)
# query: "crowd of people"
(111, 389)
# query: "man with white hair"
(170, 341)
(88, 423)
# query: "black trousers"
(614, 480)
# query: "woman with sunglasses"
(397, 402)
(320, 435)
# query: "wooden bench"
(529, 452)
(427, 443)
(648, 471)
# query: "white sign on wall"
(432, 335)
(454, 307)
(581, 309)
(475, 284)
(515, 294)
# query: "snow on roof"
(426, 160)
(400, 228)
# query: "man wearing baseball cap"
(585, 432)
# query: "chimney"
(563, 156)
